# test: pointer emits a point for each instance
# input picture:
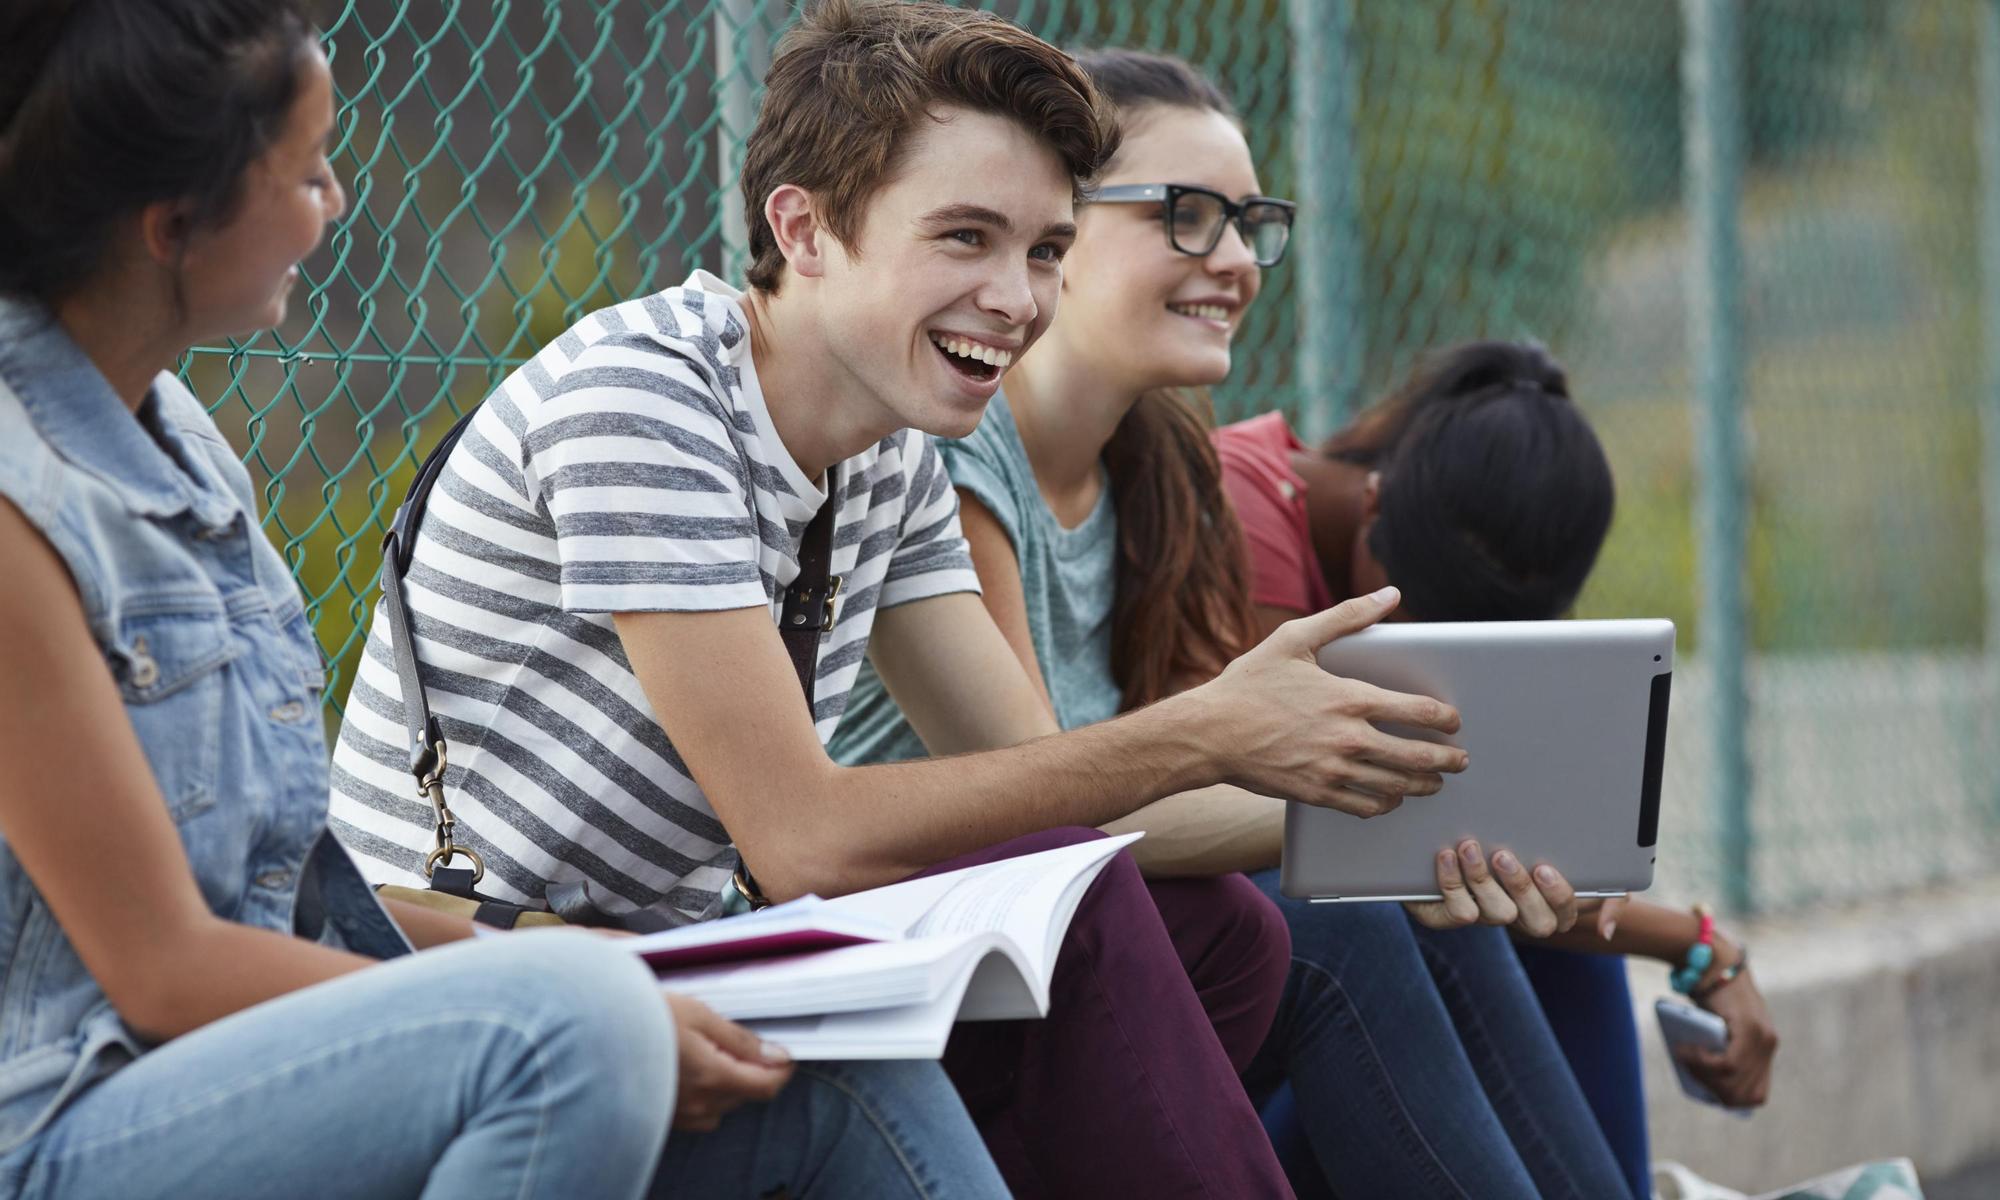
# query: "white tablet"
(1565, 727)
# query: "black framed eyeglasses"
(1196, 217)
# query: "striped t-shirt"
(631, 466)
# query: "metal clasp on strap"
(430, 786)
(799, 602)
(832, 591)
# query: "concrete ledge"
(1889, 1024)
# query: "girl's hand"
(721, 1065)
(1537, 903)
(1604, 913)
(1740, 1075)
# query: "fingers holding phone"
(1740, 1073)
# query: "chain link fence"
(1470, 168)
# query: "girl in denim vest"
(193, 994)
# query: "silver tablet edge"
(1433, 896)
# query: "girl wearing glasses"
(1110, 558)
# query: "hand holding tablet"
(1363, 748)
(1565, 726)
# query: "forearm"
(1212, 831)
(219, 967)
(1647, 930)
(426, 927)
(873, 825)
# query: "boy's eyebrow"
(979, 214)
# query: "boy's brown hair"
(852, 79)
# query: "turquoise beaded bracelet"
(1700, 956)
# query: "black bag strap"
(426, 738)
(807, 616)
(808, 613)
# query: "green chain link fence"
(1469, 167)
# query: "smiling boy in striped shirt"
(596, 585)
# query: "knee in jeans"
(593, 997)
(1256, 925)
(859, 1108)
(1235, 921)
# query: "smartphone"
(1686, 1025)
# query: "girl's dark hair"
(1134, 79)
(1182, 607)
(107, 106)
(1495, 494)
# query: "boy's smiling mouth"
(972, 359)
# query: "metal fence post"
(1712, 116)
(742, 54)
(1325, 95)
(1989, 408)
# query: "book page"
(801, 926)
(911, 1031)
(875, 975)
(1023, 899)
(916, 1030)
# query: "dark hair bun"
(1496, 495)
(1481, 367)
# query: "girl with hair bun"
(1478, 489)
(202, 997)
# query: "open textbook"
(907, 960)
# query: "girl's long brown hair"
(1182, 607)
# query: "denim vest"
(202, 628)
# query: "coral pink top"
(1270, 502)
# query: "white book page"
(908, 1031)
(805, 913)
(912, 1031)
(1028, 900)
(877, 975)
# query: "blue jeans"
(1422, 1065)
(1589, 1005)
(539, 1064)
(894, 1130)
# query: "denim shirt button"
(145, 672)
(273, 880)
(289, 712)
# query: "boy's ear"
(1371, 496)
(796, 228)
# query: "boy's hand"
(721, 1065)
(1287, 728)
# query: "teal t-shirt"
(1067, 575)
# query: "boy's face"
(960, 251)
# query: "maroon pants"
(1129, 1087)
